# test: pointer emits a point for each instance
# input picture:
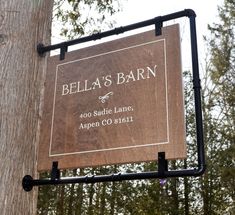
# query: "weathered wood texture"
(23, 24)
(142, 113)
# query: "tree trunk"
(186, 192)
(103, 199)
(175, 193)
(80, 193)
(91, 192)
(72, 197)
(23, 24)
(113, 198)
(60, 208)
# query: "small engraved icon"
(104, 98)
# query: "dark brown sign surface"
(117, 102)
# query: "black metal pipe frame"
(28, 182)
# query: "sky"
(206, 13)
(139, 10)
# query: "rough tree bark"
(23, 24)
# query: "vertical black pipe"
(197, 95)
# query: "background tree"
(219, 96)
(79, 17)
(22, 25)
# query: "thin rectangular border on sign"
(118, 148)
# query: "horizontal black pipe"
(187, 12)
(28, 182)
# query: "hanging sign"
(117, 102)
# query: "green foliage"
(79, 17)
(219, 114)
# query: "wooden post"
(23, 24)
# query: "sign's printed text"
(108, 80)
(106, 121)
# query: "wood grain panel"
(117, 102)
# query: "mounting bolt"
(40, 49)
(27, 183)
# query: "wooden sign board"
(117, 102)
